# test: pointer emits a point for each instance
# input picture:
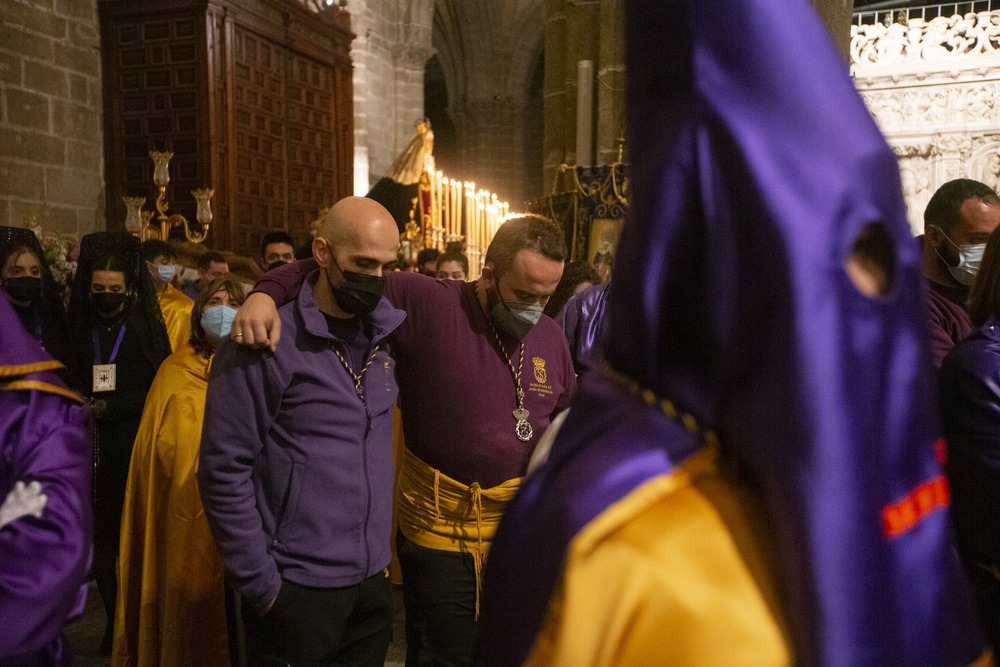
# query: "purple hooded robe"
(45, 437)
(754, 168)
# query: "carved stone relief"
(939, 40)
(932, 107)
(933, 88)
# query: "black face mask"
(106, 303)
(358, 293)
(23, 288)
(274, 265)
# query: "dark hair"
(525, 232)
(237, 295)
(275, 237)
(209, 256)
(945, 207)
(984, 296)
(427, 255)
(452, 256)
(17, 250)
(114, 262)
(154, 248)
(573, 275)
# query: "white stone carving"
(933, 88)
(954, 38)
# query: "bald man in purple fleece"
(296, 466)
(481, 372)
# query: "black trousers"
(439, 594)
(322, 626)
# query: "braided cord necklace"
(666, 406)
(522, 429)
(356, 376)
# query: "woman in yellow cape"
(170, 608)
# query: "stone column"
(554, 96)
(837, 16)
(51, 146)
(610, 82)
(359, 80)
(582, 34)
(390, 53)
(410, 62)
(410, 55)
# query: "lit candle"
(437, 199)
(446, 204)
(456, 211)
(483, 222)
(470, 216)
(458, 207)
(454, 207)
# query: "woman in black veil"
(32, 292)
(120, 341)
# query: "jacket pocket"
(285, 530)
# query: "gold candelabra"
(410, 243)
(139, 222)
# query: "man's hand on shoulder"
(257, 323)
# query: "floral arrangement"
(61, 253)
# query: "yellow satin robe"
(176, 308)
(675, 573)
(170, 608)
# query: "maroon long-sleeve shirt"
(949, 318)
(456, 391)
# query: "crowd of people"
(729, 454)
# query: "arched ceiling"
(487, 43)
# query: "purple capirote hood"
(754, 168)
(17, 350)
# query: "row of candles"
(460, 211)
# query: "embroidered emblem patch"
(540, 374)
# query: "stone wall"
(51, 152)
(391, 47)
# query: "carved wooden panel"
(310, 141)
(259, 113)
(254, 98)
(156, 78)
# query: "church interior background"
(277, 108)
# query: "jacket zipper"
(364, 462)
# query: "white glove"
(22, 501)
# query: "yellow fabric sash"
(438, 512)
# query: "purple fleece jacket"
(296, 469)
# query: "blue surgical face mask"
(217, 321)
(166, 272)
(969, 259)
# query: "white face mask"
(969, 259)
(217, 321)
(166, 272)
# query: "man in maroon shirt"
(957, 222)
(480, 372)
